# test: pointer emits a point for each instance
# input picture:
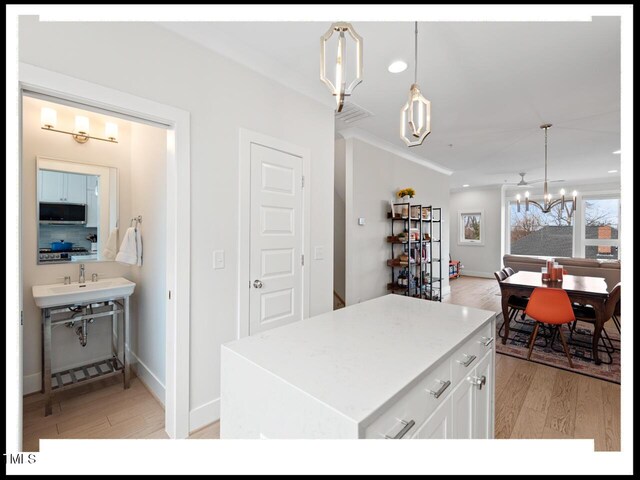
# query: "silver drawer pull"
(407, 426)
(487, 341)
(441, 390)
(478, 381)
(469, 361)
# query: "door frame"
(246, 138)
(178, 239)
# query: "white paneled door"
(276, 239)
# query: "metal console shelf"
(91, 372)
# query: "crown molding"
(391, 148)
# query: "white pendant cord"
(415, 74)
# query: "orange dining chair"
(550, 306)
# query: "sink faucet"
(81, 279)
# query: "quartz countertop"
(356, 359)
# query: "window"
(537, 233)
(601, 227)
(471, 228)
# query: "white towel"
(111, 247)
(131, 247)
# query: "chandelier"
(340, 88)
(548, 203)
(415, 116)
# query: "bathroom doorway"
(150, 187)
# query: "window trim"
(584, 242)
(461, 240)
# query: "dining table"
(580, 289)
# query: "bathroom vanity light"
(48, 121)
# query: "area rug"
(549, 351)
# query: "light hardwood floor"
(532, 400)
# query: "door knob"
(257, 284)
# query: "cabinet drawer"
(411, 410)
(467, 357)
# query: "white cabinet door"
(438, 425)
(76, 188)
(462, 407)
(92, 201)
(483, 404)
(51, 188)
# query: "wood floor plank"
(209, 432)
(551, 433)
(530, 423)
(503, 373)
(561, 416)
(539, 395)
(511, 399)
(157, 434)
(589, 412)
(31, 441)
(611, 413)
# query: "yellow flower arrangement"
(406, 191)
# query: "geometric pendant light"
(415, 116)
(340, 88)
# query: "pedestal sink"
(56, 294)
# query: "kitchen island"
(391, 367)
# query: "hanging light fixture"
(339, 87)
(547, 202)
(415, 116)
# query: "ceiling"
(491, 85)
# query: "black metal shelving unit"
(419, 269)
(432, 274)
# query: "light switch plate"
(318, 253)
(361, 221)
(218, 259)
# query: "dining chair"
(550, 306)
(587, 314)
(516, 304)
(509, 271)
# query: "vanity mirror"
(76, 211)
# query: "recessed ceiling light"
(612, 171)
(398, 66)
(465, 185)
(617, 152)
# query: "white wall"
(66, 350)
(339, 219)
(478, 260)
(373, 176)
(148, 306)
(221, 96)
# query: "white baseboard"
(446, 291)
(204, 415)
(31, 383)
(472, 273)
(147, 377)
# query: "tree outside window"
(471, 228)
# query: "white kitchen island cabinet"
(392, 367)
